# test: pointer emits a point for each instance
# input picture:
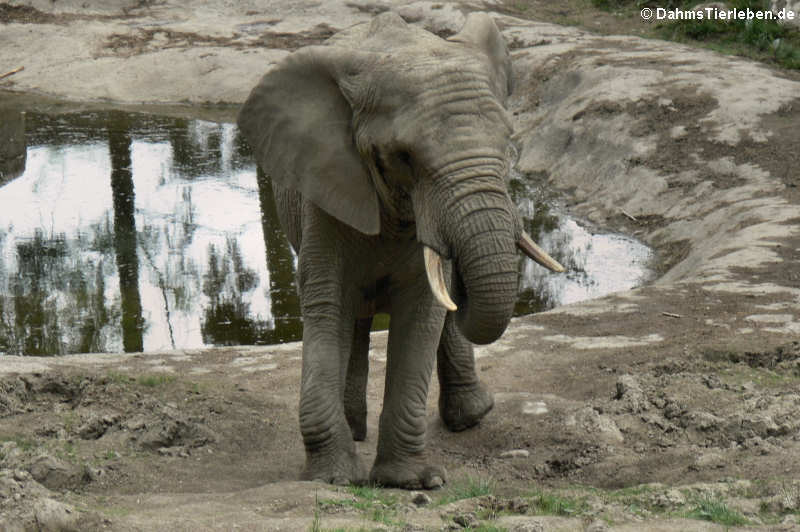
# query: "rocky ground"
(670, 407)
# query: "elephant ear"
(480, 31)
(299, 124)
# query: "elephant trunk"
(469, 218)
(486, 276)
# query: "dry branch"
(12, 72)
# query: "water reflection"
(12, 144)
(124, 200)
(597, 263)
(128, 232)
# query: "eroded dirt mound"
(77, 435)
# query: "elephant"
(387, 149)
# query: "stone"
(420, 499)
(466, 520)
(518, 505)
(57, 474)
(515, 453)
(596, 526)
(53, 515)
(530, 526)
(630, 393)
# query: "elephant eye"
(395, 166)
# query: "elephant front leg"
(330, 452)
(328, 328)
(414, 332)
(463, 399)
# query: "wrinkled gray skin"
(387, 139)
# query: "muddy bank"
(684, 390)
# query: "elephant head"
(390, 127)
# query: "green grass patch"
(763, 40)
(68, 452)
(115, 377)
(551, 504)
(155, 381)
(467, 488)
(376, 504)
(715, 511)
(23, 444)
(150, 381)
(373, 495)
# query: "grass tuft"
(716, 511)
(467, 488)
(551, 504)
(154, 381)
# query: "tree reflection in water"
(285, 303)
(119, 145)
(169, 252)
(12, 144)
(52, 274)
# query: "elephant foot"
(342, 468)
(408, 474)
(462, 408)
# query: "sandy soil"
(641, 410)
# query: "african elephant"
(387, 149)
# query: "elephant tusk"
(433, 267)
(532, 250)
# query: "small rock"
(630, 392)
(95, 427)
(7, 487)
(518, 505)
(762, 424)
(670, 499)
(534, 408)
(94, 473)
(20, 475)
(466, 520)
(596, 526)
(56, 474)
(790, 519)
(420, 499)
(598, 425)
(53, 515)
(704, 421)
(515, 453)
(530, 526)
(709, 459)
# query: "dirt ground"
(670, 407)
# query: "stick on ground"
(11, 73)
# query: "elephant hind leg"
(355, 389)
(463, 399)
